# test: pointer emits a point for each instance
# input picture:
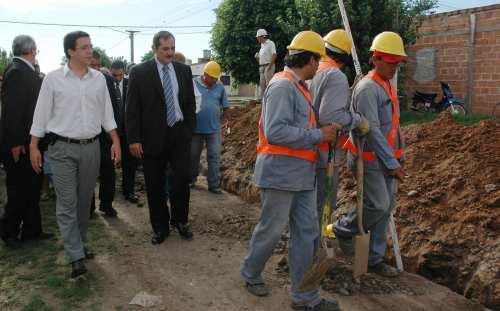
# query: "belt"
(75, 141)
(264, 65)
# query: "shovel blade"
(361, 251)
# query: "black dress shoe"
(108, 211)
(12, 243)
(132, 198)
(88, 253)
(215, 190)
(184, 231)
(77, 268)
(158, 238)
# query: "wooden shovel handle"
(359, 142)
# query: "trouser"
(279, 209)
(22, 211)
(265, 75)
(378, 202)
(75, 168)
(321, 186)
(129, 167)
(176, 152)
(213, 143)
(107, 175)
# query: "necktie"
(169, 96)
(119, 99)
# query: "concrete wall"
(444, 52)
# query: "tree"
(120, 58)
(149, 55)
(105, 59)
(5, 59)
(237, 21)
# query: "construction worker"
(331, 96)
(375, 99)
(266, 57)
(285, 172)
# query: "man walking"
(285, 172)
(20, 90)
(266, 58)
(213, 100)
(160, 120)
(331, 96)
(375, 99)
(73, 105)
(129, 163)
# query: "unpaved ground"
(203, 274)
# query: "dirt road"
(203, 274)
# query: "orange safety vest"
(393, 131)
(323, 65)
(305, 154)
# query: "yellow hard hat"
(212, 69)
(388, 42)
(308, 41)
(339, 39)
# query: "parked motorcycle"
(425, 102)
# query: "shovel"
(324, 258)
(362, 239)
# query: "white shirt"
(175, 86)
(120, 86)
(26, 62)
(73, 107)
(197, 96)
(267, 49)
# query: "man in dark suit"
(160, 120)
(129, 163)
(20, 90)
(107, 175)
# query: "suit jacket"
(123, 105)
(146, 120)
(115, 103)
(20, 89)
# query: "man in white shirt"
(266, 58)
(72, 107)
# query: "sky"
(176, 16)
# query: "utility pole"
(131, 36)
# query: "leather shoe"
(132, 198)
(12, 243)
(77, 268)
(108, 211)
(184, 231)
(88, 253)
(158, 237)
(215, 190)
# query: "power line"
(102, 26)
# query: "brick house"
(462, 48)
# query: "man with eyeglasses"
(73, 105)
(19, 95)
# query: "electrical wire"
(103, 26)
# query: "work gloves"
(363, 127)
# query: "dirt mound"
(448, 209)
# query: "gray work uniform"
(287, 188)
(331, 96)
(373, 103)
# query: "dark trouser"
(176, 152)
(22, 212)
(107, 175)
(129, 166)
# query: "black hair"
(69, 41)
(118, 64)
(343, 58)
(301, 59)
(96, 54)
(165, 35)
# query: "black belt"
(74, 141)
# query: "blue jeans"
(213, 143)
(378, 203)
(279, 209)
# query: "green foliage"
(105, 59)
(233, 35)
(120, 58)
(149, 55)
(4, 60)
(413, 117)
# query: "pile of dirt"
(448, 210)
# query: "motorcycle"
(425, 102)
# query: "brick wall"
(442, 52)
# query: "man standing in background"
(19, 95)
(266, 58)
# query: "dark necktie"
(169, 96)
